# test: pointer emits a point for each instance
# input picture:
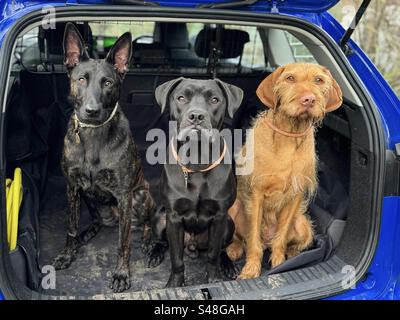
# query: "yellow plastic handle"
(14, 199)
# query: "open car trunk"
(38, 111)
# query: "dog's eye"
(108, 83)
(82, 80)
(214, 100)
(181, 99)
(290, 78)
(319, 80)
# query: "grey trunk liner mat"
(90, 273)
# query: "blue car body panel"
(382, 280)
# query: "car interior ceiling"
(37, 120)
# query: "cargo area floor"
(90, 272)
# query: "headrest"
(54, 38)
(172, 35)
(231, 42)
(149, 53)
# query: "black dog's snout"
(92, 111)
(196, 117)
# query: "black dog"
(197, 195)
(100, 160)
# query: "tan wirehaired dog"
(270, 211)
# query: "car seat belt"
(215, 53)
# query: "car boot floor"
(90, 272)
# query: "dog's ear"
(164, 90)
(335, 98)
(120, 53)
(265, 91)
(74, 47)
(233, 94)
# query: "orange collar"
(288, 134)
(186, 170)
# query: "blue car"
(356, 212)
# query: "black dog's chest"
(196, 215)
(201, 200)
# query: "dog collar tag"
(186, 176)
(77, 138)
(76, 130)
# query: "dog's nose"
(196, 117)
(307, 100)
(92, 111)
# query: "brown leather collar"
(186, 170)
(288, 134)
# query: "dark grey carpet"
(90, 273)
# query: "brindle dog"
(100, 159)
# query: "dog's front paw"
(250, 270)
(120, 280)
(155, 255)
(63, 260)
(176, 280)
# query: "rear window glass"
(253, 53)
(299, 50)
(159, 46)
(106, 33)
